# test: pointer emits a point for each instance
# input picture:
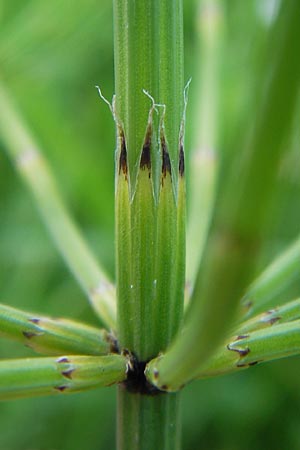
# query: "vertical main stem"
(150, 208)
(148, 423)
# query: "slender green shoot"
(33, 168)
(53, 336)
(66, 374)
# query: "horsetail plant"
(151, 348)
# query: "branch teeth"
(271, 317)
(62, 359)
(34, 320)
(242, 336)
(30, 334)
(241, 351)
(68, 373)
(61, 388)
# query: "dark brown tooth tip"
(243, 352)
(242, 336)
(68, 373)
(146, 152)
(166, 163)
(29, 334)
(274, 320)
(247, 304)
(181, 160)
(61, 388)
(123, 155)
(240, 351)
(250, 364)
(34, 320)
(62, 359)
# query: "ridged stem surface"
(150, 204)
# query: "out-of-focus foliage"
(51, 56)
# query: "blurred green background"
(52, 54)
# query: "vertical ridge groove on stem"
(149, 60)
(149, 57)
(155, 421)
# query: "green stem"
(148, 48)
(53, 337)
(253, 348)
(148, 422)
(150, 204)
(36, 174)
(64, 375)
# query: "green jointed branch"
(36, 174)
(286, 313)
(256, 347)
(53, 336)
(64, 375)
